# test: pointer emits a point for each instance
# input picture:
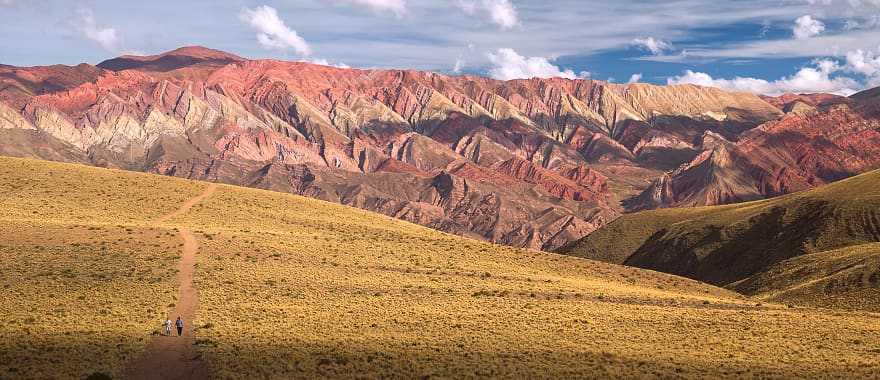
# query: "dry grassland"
(84, 279)
(845, 278)
(50, 192)
(80, 299)
(291, 287)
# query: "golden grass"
(44, 191)
(295, 287)
(846, 278)
(85, 280)
(80, 299)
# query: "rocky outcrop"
(799, 108)
(11, 119)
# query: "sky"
(762, 46)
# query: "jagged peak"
(709, 139)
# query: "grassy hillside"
(83, 274)
(295, 287)
(737, 245)
(842, 278)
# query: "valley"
(817, 247)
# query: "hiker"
(167, 327)
(179, 324)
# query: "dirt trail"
(173, 357)
(188, 204)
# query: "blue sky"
(765, 46)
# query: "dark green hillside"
(736, 245)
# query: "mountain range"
(536, 163)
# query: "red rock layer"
(532, 163)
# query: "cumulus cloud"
(272, 33)
(85, 24)
(655, 46)
(396, 7)
(501, 12)
(859, 69)
(806, 26)
(507, 64)
(865, 63)
(807, 80)
(635, 78)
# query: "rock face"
(531, 163)
(785, 100)
(797, 152)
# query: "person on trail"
(167, 327)
(179, 324)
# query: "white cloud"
(459, 65)
(655, 46)
(107, 38)
(501, 12)
(507, 64)
(325, 62)
(433, 32)
(865, 63)
(7, 2)
(806, 26)
(818, 46)
(396, 7)
(806, 80)
(635, 78)
(272, 32)
(869, 22)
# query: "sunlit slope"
(291, 287)
(32, 190)
(84, 279)
(726, 245)
(333, 291)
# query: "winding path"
(173, 357)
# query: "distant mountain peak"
(194, 51)
(171, 60)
